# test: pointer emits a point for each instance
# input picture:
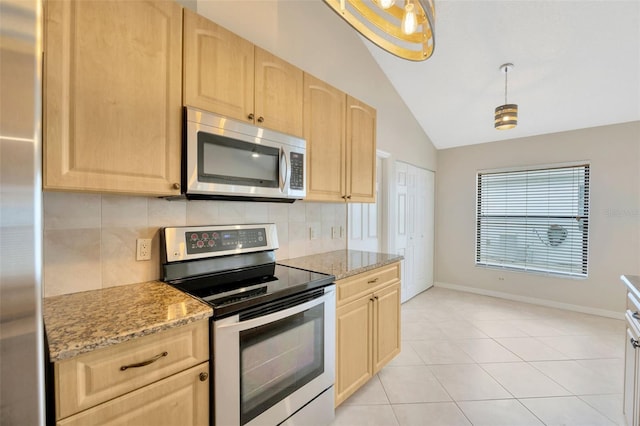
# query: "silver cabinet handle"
(634, 343)
(143, 363)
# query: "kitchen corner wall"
(90, 240)
(614, 218)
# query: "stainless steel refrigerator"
(21, 330)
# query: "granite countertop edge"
(337, 263)
(72, 332)
(633, 283)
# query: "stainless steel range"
(273, 326)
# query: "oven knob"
(205, 236)
(200, 244)
(211, 243)
(203, 376)
(214, 235)
(194, 237)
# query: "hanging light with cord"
(506, 116)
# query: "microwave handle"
(284, 169)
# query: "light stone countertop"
(633, 283)
(342, 263)
(82, 322)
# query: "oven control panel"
(198, 242)
(227, 239)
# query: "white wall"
(614, 234)
(308, 34)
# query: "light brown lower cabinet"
(367, 327)
(160, 379)
(181, 399)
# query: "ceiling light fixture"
(406, 30)
(506, 116)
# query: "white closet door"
(415, 192)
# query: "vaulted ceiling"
(577, 65)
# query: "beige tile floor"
(475, 360)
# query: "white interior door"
(415, 190)
(365, 224)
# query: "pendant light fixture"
(506, 116)
(404, 28)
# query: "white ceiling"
(577, 65)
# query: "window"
(534, 220)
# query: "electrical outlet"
(314, 231)
(143, 251)
(335, 232)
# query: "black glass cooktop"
(232, 292)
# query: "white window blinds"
(534, 220)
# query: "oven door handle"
(234, 323)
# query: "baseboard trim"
(532, 300)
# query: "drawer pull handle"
(375, 280)
(634, 343)
(636, 315)
(143, 363)
(203, 376)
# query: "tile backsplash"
(90, 240)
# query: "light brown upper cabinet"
(228, 75)
(112, 96)
(341, 145)
(361, 152)
(325, 132)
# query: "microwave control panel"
(297, 171)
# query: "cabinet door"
(92, 378)
(386, 328)
(361, 152)
(324, 130)
(278, 94)
(218, 69)
(353, 347)
(631, 404)
(112, 96)
(181, 399)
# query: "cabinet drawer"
(182, 399)
(92, 378)
(353, 287)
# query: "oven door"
(268, 367)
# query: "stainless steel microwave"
(229, 159)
